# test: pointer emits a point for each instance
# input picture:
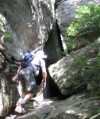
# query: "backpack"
(27, 57)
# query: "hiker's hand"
(14, 79)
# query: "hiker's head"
(26, 57)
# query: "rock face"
(25, 25)
(28, 24)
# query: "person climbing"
(30, 67)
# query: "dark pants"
(27, 80)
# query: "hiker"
(29, 69)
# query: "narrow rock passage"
(78, 106)
(38, 106)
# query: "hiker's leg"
(28, 96)
(22, 82)
(30, 84)
(21, 86)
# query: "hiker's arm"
(16, 75)
(44, 74)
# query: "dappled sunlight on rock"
(70, 111)
(98, 40)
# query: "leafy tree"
(87, 21)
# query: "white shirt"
(38, 61)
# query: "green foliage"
(93, 68)
(7, 35)
(87, 21)
(74, 44)
(93, 93)
(3, 31)
(71, 44)
(94, 110)
(80, 61)
(90, 69)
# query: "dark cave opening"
(53, 48)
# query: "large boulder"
(71, 78)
